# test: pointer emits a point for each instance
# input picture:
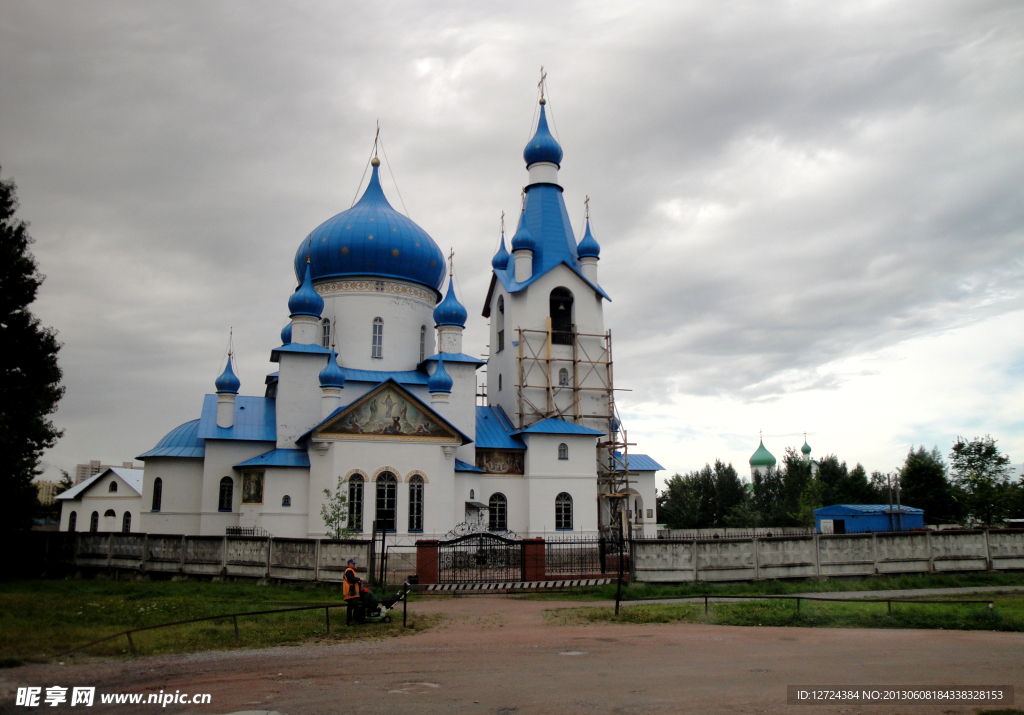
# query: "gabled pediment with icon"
(389, 413)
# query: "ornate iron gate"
(480, 558)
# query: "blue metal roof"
(494, 430)
(278, 458)
(372, 239)
(182, 441)
(553, 425)
(640, 462)
(402, 377)
(461, 466)
(864, 509)
(255, 419)
(456, 357)
(298, 348)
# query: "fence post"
(327, 613)
(427, 561)
(757, 565)
(705, 604)
(131, 643)
(874, 549)
(817, 558)
(224, 558)
(371, 562)
(181, 566)
(931, 556)
(110, 549)
(235, 619)
(696, 562)
(405, 604)
(988, 553)
(145, 552)
(270, 553)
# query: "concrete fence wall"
(675, 560)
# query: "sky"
(811, 214)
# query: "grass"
(40, 618)
(640, 591)
(1007, 615)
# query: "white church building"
(374, 389)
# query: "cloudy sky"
(811, 213)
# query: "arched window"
(563, 451)
(73, 521)
(561, 316)
(94, 521)
(355, 503)
(472, 493)
(378, 338)
(501, 323)
(112, 488)
(158, 493)
(286, 500)
(499, 382)
(126, 522)
(387, 493)
(325, 333)
(423, 343)
(497, 512)
(563, 512)
(227, 493)
(109, 512)
(563, 377)
(416, 504)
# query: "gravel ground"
(499, 656)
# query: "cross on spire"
(376, 138)
(586, 204)
(543, 79)
(231, 341)
(451, 262)
(502, 223)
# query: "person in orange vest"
(350, 590)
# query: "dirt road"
(498, 656)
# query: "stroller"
(370, 609)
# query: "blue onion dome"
(523, 240)
(305, 300)
(543, 146)
(440, 381)
(450, 311)
(286, 334)
(806, 449)
(372, 239)
(588, 246)
(227, 383)
(332, 375)
(500, 260)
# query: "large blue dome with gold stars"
(371, 239)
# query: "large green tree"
(701, 499)
(983, 474)
(924, 485)
(29, 375)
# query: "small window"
(472, 493)
(423, 343)
(73, 521)
(377, 350)
(286, 500)
(501, 323)
(227, 493)
(497, 512)
(325, 333)
(563, 451)
(112, 488)
(109, 512)
(499, 382)
(94, 521)
(563, 512)
(126, 523)
(416, 504)
(355, 503)
(158, 493)
(563, 377)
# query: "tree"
(29, 375)
(701, 499)
(334, 511)
(984, 476)
(923, 484)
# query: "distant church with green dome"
(762, 460)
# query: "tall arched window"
(158, 493)
(73, 521)
(112, 488)
(501, 323)
(563, 512)
(325, 333)
(561, 316)
(563, 377)
(227, 493)
(378, 338)
(563, 451)
(94, 521)
(416, 504)
(387, 494)
(126, 522)
(423, 343)
(355, 503)
(497, 512)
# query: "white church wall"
(98, 498)
(517, 495)
(298, 396)
(549, 476)
(285, 521)
(404, 307)
(181, 493)
(221, 458)
(460, 409)
(646, 486)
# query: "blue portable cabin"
(865, 518)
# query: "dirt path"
(499, 656)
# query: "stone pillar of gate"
(426, 561)
(533, 559)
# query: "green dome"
(762, 457)
(806, 449)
